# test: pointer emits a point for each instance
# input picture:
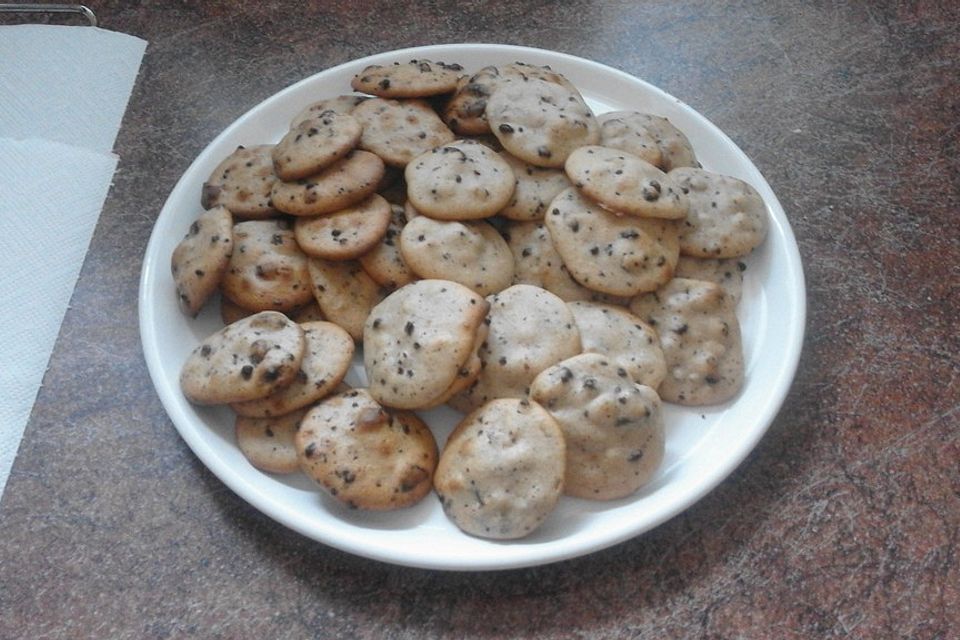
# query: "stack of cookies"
(483, 241)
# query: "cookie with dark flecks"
(623, 338)
(622, 182)
(344, 234)
(400, 130)
(540, 122)
(327, 354)
(626, 127)
(617, 255)
(535, 187)
(243, 183)
(246, 360)
(365, 456)
(461, 180)
(419, 341)
(618, 130)
(464, 112)
(727, 272)
(341, 104)
(200, 260)
(345, 182)
(344, 292)
(612, 426)
(727, 217)
(529, 329)
(267, 270)
(314, 144)
(384, 262)
(700, 337)
(501, 471)
(469, 252)
(414, 79)
(268, 443)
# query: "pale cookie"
(675, 148)
(267, 269)
(623, 338)
(464, 112)
(618, 255)
(246, 360)
(365, 457)
(462, 180)
(345, 293)
(540, 122)
(613, 426)
(471, 253)
(417, 341)
(624, 183)
(341, 104)
(468, 372)
(268, 443)
(501, 471)
(525, 71)
(399, 131)
(529, 330)
(326, 358)
(200, 260)
(347, 233)
(347, 181)
(414, 79)
(727, 272)
(534, 189)
(536, 262)
(384, 262)
(619, 131)
(314, 144)
(727, 217)
(243, 183)
(700, 337)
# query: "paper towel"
(63, 92)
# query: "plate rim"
(531, 556)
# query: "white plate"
(703, 444)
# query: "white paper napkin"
(63, 92)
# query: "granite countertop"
(843, 522)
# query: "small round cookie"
(267, 269)
(417, 341)
(540, 122)
(399, 131)
(345, 293)
(347, 233)
(327, 355)
(700, 337)
(501, 471)
(471, 253)
(530, 329)
(200, 260)
(268, 443)
(624, 183)
(462, 180)
(727, 272)
(623, 338)
(675, 148)
(415, 79)
(384, 262)
(246, 360)
(347, 181)
(534, 189)
(341, 104)
(463, 113)
(613, 426)
(526, 71)
(314, 144)
(243, 183)
(619, 131)
(536, 262)
(365, 457)
(727, 217)
(618, 255)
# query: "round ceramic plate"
(703, 444)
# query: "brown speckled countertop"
(843, 522)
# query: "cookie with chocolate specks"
(414, 79)
(400, 130)
(243, 183)
(200, 260)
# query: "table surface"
(844, 521)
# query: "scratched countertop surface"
(844, 521)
